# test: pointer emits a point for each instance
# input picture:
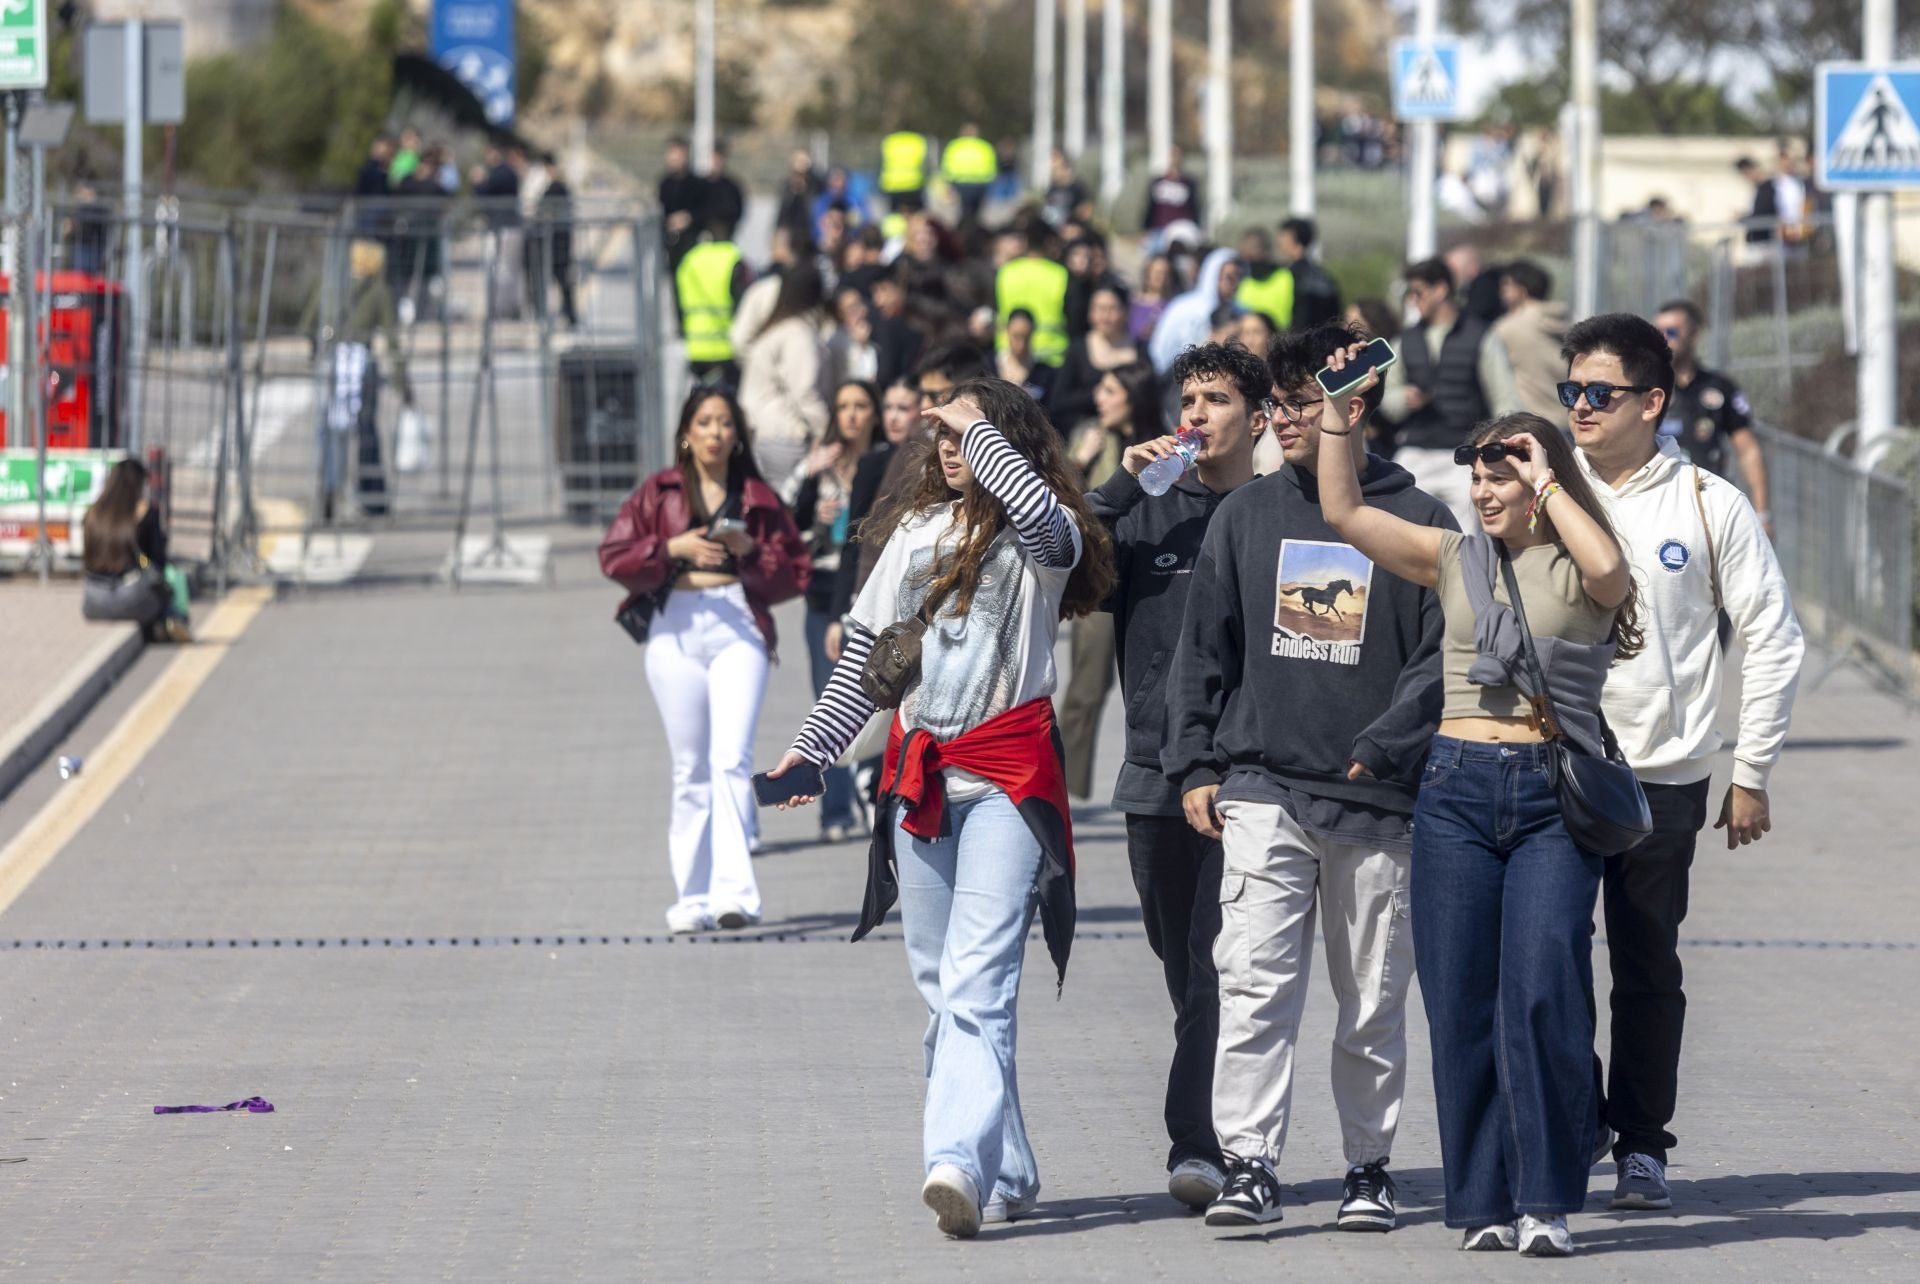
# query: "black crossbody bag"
(1601, 801)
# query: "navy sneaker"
(1642, 1184)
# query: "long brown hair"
(109, 540)
(981, 517)
(739, 467)
(1628, 636)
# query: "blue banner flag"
(473, 39)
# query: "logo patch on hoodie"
(1674, 556)
(1321, 593)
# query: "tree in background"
(366, 92)
(931, 65)
(1681, 58)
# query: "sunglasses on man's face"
(1598, 394)
(1491, 453)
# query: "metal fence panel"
(1845, 541)
(307, 369)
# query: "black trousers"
(1644, 900)
(1177, 874)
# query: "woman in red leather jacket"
(708, 548)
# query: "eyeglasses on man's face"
(1292, 411)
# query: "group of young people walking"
(1340, 708)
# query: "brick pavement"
(53, 666)
(403, 764)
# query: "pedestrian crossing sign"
(1426, 79)
(1865, 126)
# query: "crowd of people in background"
(521, 192)
(1354, 638)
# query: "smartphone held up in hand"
(726, 526)
(803, 781)
(1377, 355)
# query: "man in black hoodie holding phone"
(1223, 394)
(1304, 692)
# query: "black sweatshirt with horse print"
(1298, 657)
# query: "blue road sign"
(473, 39)
(1426, 79)
(1864, 126)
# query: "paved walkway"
(53, 666)
(397, 868)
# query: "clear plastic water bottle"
(1158, 477)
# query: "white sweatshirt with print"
(1663, 704)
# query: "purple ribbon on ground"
(252, 1105)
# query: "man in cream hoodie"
(1699, 553)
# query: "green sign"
(23, 44)
(74, 477)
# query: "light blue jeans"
(966, 902)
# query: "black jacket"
(1297, 656)
(1456, 400)
(1316, 296)
(861, 498)
(1156, 542)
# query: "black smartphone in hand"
(802, 781)
(1377, 355)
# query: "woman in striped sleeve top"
(973, 831)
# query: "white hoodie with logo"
(1663, 703)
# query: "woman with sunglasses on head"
(1502, 896)
(704, 548)
(990, 548)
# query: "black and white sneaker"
(1368, 1202)
(1251, 1196)
(1500, 1237)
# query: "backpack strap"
(1706, 527)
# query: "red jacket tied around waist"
(1019, 753)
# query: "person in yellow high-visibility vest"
(710, 281)
(1268, 286)
(903, 169)
(970, 164)
(1036, 284)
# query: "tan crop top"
(1557, 607)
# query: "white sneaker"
(1195, 1183)
(1545, 1237)
(1497, 1238)
(682, 919)
(950, 1193)
(732, 918)
(1007, 1208)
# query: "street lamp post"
(1424, 139)
(1159, 84)
(1878, 370)
(1113, 99)
(1219, 112)
(1586, 158)
(703, 135)
(1039, 164)
(1074, 127)
(1301, 158)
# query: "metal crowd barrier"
(1844, 536)
(404, 365)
